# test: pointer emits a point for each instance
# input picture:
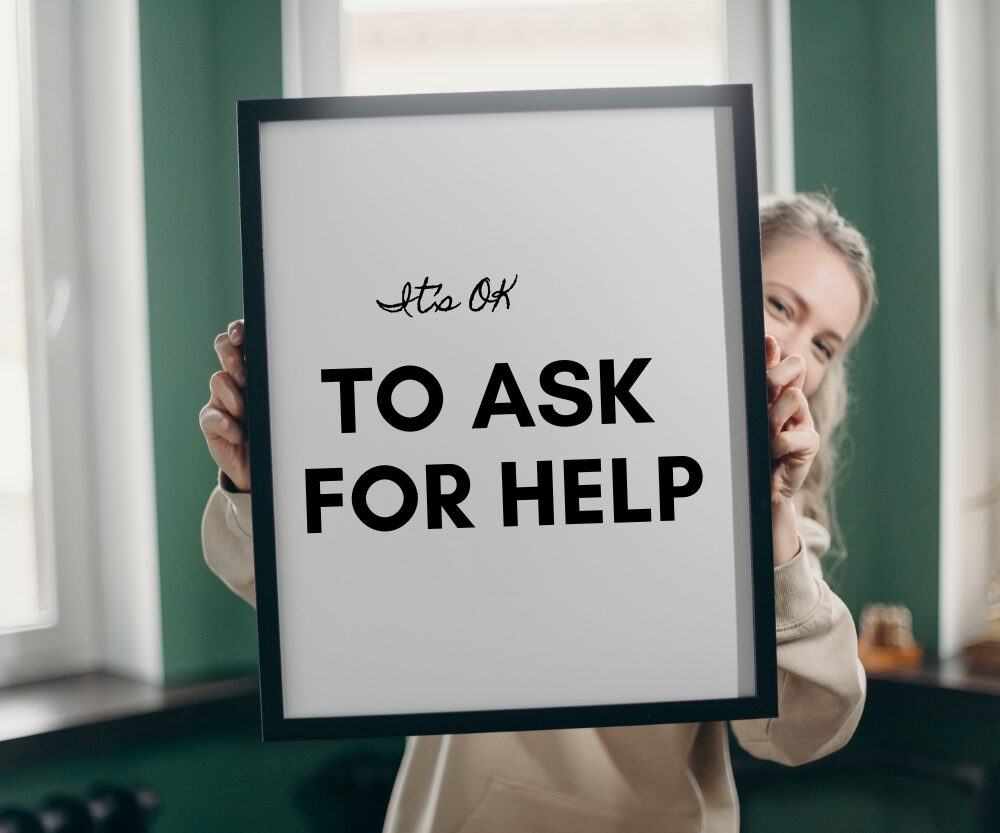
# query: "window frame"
(92, 413)
(67, 639)
(311, 56)
(34, 304)
(969, 210)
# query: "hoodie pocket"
(510, 806)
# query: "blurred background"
(124, 660)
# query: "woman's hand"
(222, 419)
(794, 443)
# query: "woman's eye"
(824, 349)
(779, 306)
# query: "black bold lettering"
(669, 491)
(359, 498)
(346, 377)
(580, 398)
(575, 490)
(621, 391)
(438, 500)
(512, 493)
(435, 398)
(502, 376)
(619, 488)
(316, 500)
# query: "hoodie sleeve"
(227, 538)
(821, 682)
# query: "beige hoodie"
(669, 778)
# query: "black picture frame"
(739, 100)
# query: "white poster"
(506, 406)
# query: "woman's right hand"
(222, 419)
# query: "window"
(399, 46)
(26, 578)
(969, 165)
(375, 47)
(71, 295)
(47, 588)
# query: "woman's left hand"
(794, 441)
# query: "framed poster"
(507, 410)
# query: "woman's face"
(811, 303)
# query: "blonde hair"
(814, 216)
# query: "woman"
(818, 294)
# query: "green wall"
(198, 57)
(865, 106)
(865, 115)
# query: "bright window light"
(412, 46)
(20, 585)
